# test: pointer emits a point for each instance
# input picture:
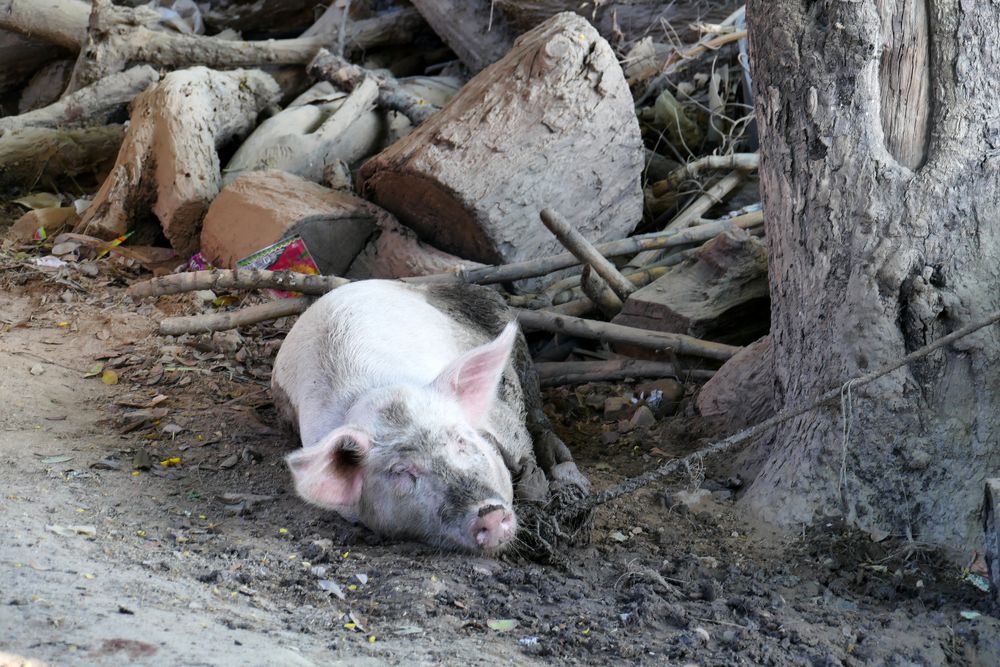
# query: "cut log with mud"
(473, 177)
(168, 162)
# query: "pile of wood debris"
(596, 165)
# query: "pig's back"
(356, 338)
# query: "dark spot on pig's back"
(472, 305)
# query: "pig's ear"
(329, 473)
(473, 377)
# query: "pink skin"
(433, 476)
(495, 528)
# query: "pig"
(412, 416)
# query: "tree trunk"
(870, 260)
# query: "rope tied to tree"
(577, 511)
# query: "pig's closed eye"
(406, 474)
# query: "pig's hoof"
(568, 473)
(532, 487)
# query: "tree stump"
(549, 125)
(168, 159)
(720, 294)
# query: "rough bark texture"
(870, 260)
(32, 156)
(475, 31)
(21, 57)
(991, 533)
(741, 392)
(721, 293)
(627, 19)
(91, 104)
(168, 160)
(551, 124)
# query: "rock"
(643, 417)
(616, 407)
(693, 500)
(551, 124)
(262, 207)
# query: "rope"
(844, 390)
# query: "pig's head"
(420, 462)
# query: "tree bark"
(870, 260)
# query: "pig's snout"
(494, 526)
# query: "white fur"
(373, 334)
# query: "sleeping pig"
(411, 413)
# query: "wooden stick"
(690, 215)
(545, 265)
(346, 75)
(616, 333)
(89, 104)
(553, 374)
(738, 161)
(272, 310)
(582, 249)
(597, 290)
(223, 279)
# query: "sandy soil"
(108, 557)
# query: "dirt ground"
(150, 521)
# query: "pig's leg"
(551, 452)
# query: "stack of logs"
(528, 176)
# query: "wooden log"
(87, 105)
(60, 22)
(991, 533)
(477, 33)
(626, 20)
(587, 254)
(616, 333)
(272, 310)
(305, 139)
(549, 125)
(227, 279)
(742, 392)
(337, 70)
(110, 37)
(33, 155)
(46, 86)
(597, 290)
(168, 160)
(21, 57)
(721, 293)
(546, 265)
(556, 373)
(738, 161)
